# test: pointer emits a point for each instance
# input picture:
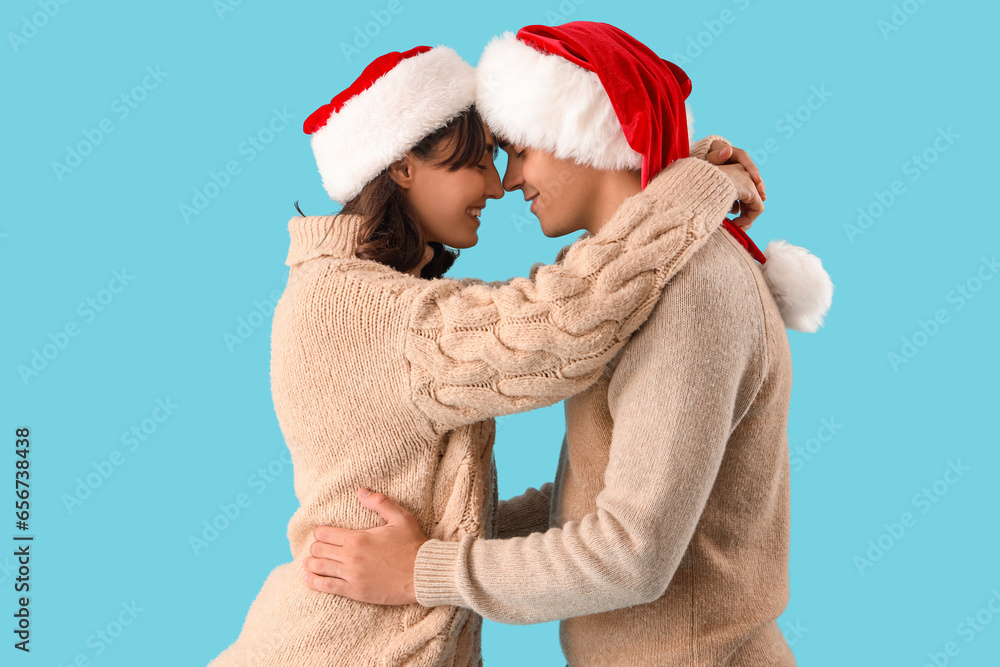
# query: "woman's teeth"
(474, 212)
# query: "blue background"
(886, 94)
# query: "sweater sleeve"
(524, 514)
(478, 350)
(701, 148)
(680, 389)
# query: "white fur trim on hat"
(378, 126)
(544, 101)
(799, 284)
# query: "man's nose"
(512, 179)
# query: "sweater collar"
(310, 238)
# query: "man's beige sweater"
(383, 380)
(667, 527)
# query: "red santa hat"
(588, 92)
(399, 99)
(592, 93)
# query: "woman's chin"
(466, 240)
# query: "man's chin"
(554, 229)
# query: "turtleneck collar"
(309, 239)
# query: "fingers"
(331, 535)
(719, 153)
(741, 157)
(750, 210)
(324, 567)
(327, 551)
(386, 507)
(331, 585)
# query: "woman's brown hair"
(389, 232)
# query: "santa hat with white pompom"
(592, 93)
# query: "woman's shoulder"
(349, 288)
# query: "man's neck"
(616, 187)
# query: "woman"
(384, 379)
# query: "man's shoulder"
(719, 279)
(718, 293)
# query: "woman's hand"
(750, 202)
(374, 565)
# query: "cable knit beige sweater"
(668, 521)
(384, 380)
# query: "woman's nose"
(494, 188)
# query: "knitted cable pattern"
(474, 346)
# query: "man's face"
(562, 193)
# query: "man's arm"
(681, 387)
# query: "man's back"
(682, 449)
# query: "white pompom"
(800, 286)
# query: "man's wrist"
(434, 573)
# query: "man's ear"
(402, 172)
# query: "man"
(664, 538)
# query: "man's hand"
(745, 176)
(374, 565)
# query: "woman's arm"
(525, 514)
(487, 349)
(675, 398)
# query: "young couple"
(663, 539)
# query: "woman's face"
(448, 203)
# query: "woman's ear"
(402, 171)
